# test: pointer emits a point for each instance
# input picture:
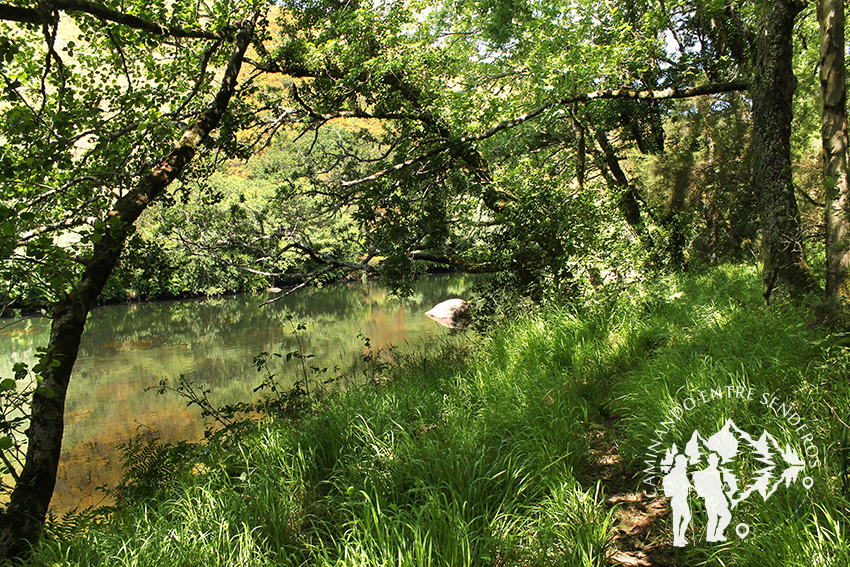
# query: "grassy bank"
(482, 454)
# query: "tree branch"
(666, 94)
(453, 260)
(633, 94)
(43, 13)
(809, 198)
(208, 53)
(40, 14)
(313, 276)
(60, 225)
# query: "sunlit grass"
(479, 455)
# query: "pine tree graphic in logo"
(705, 467)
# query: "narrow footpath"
(640, 534)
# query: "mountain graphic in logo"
(705, 466)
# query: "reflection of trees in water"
(147, 326)
(94, 461)
(216, 321)
(17, 338)
(127, 348)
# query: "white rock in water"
(444, 313)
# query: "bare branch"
(12, 86)
(9, 467)
(50, 38)
(453, 260)
(123, 58)
(396, 167)
(310, 279)
(99, 177)
(809, 198)
(305, 106)
(208, 53)
(331, 264)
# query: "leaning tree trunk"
(784, 262)
(628, 203)
(21, 524)
(834, 137)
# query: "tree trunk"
(21, 524)
(784, 263)
(628, 202)
(834, 137)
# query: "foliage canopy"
(558, 144)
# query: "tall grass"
(714, 334)
(479, 455)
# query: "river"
(128, 349)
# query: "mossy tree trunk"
(784, 262)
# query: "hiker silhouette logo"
(707, 467)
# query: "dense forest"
(592, 160)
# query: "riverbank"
(117, 295)
(494, 454)
(128, 350)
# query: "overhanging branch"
(455, 261)
(633, 94)
(45, 13)
(665, 94)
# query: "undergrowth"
(478, 454)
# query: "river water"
(127, 350)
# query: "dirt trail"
(641, 536)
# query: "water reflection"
(127, 349)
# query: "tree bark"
(21, 524)
(46, 12)
(783, 256)
(834, 137)
(628, 202)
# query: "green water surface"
(127, 350)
